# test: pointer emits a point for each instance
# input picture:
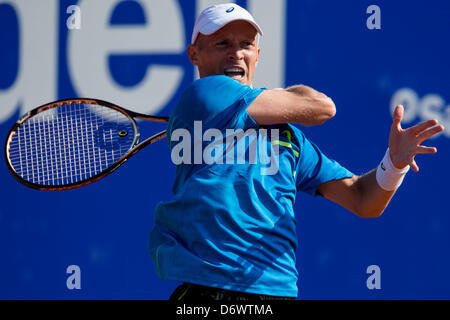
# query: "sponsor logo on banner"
(91, 39)
(430, 106)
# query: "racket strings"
(69, 145)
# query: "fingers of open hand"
(419, 150)
(428, 131)
(424, 131)
(426, 150)
(413, 164)
(397, 117)
(406, 143)
(422, 126)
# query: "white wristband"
(388, 176)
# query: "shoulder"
(212, 82)
(215, 88)
(212, 95)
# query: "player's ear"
(257, 59)
(192, 53)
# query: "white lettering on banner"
(431, 106)
(35, 83)
(89, 49)
(271, 16)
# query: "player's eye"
(221, 43)
(247, 44)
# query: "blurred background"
(133, 53)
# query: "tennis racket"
(71, 143)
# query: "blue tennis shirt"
(231, 223)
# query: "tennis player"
(229, 232)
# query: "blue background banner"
(132, 53)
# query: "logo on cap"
(230, 9)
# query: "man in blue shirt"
(229, 231)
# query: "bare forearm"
(298, 104)
(317, 107)
(360, 194)
(372, 199)
(306, 91)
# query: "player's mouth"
(236, 73)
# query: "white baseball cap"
(215, 17)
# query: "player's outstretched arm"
(369, 195)
(297, 104)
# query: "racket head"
(70, 143)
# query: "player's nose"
(235, 53)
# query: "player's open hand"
(405, 144)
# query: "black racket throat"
(71, 143)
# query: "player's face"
(232, 51)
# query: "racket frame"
(134, 148)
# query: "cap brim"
(211, 28)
